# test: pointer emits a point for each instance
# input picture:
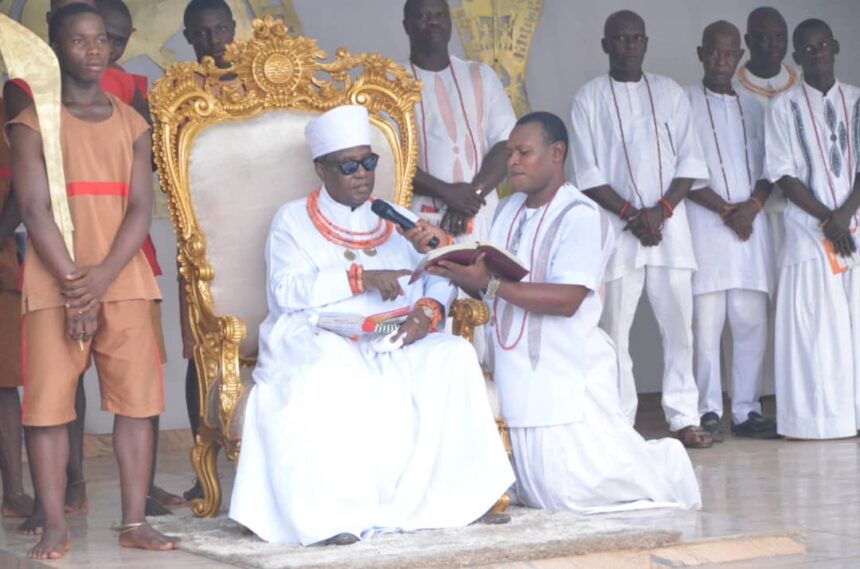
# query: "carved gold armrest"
(467, 314)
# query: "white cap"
(342, 127)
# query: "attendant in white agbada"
(555, 368)
(343, 437)
(764, 76)
(463, 121)
(812, 136)
(635, 153)
(731, 240)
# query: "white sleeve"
(578, 254)
(779, 158)
(295, 283)
(691, 158)
(500, 116)
(586, 172)
(439, 289)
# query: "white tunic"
(814, 137)
(573, 448)
(762, 91)
(464, 112)
(735, 162)
(341, 438)
(599, 158)
(826, 164)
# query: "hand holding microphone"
(387, 211)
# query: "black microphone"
(387, 211)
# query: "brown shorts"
(159, 331)
(10, 339)
(125, 352)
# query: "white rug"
(531, 534)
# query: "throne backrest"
(231, 152)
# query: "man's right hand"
(462, 197)
(385, 282)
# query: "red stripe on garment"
(148, 249)
(5, 173)
(96, 189)
(21, 84)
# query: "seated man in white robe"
(556, 370)
(344, 437)
(812, 134)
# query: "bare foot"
(53, 545)
(156, 508)
(165, 498)
(145, 537)
(32, 525)
(18, 505)
(76, 497)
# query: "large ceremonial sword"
(29, 58)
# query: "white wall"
(565, 54)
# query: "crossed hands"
(464, 202)
(83, 290)
(739, 218)
(837, 229)
(646, 224)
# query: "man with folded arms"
(556, 370)
(635, 153)
(344, 437)
(731, 239)
(812, 134)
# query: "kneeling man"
(557, 371)
(343, 437)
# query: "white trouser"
(671, 296)
(747, 316)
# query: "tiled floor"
(747, 486)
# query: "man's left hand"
(471, 278)
(422, 233)
(416, 327)
(85, 287)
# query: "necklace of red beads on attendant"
(717, 141)
(345, 237)
(508, 347)
(426, 152)
(624, 141)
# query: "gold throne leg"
(204, 458)
(502, 503)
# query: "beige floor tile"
(747, 486)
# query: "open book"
(500, 261)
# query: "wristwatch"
(489, 292)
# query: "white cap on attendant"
(342, 127)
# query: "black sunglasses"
(350, 167)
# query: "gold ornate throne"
(230, 150)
